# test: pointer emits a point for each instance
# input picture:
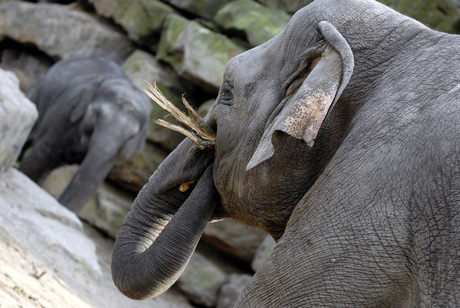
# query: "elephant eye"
(226, 95)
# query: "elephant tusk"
(185, 186)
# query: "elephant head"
(89, 114)
(275, 131)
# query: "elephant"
(89, 114)
(340, 138)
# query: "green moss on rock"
(442, 15)
(257, 22)
(141, 18)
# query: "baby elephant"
(89, 113)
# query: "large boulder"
(201, 280)
(203, 8)
(254, 21)
(133, 173)
(61, 31)
(68, 263)
(35, 219)
(232, 289)
(286, 5)
(29, 67)
(17, 116)
(141, 18)
(443, 15)
(195, 52)
(234, 238)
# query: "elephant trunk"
(155, 244)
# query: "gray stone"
(263, 252)
(234, 238)
(17, 116)
(59, 262)
(232, 289)
(195, 52)
(141, 18)
(104, 7)
(29, 68)
(36, 220)
(201, 281)
(61, 32)
(286, 5)
(257, 22)
(203, 8)
(133, 173)
(105, 210)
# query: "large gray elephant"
(341, 138)
(89, 114)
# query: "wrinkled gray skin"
(89, 113)
(366, 217)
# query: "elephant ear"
(81, 96)
(302, 114)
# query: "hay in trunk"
(199, 133)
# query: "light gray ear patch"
(306, 116)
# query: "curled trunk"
(155, 242)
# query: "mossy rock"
(174, 26)
(442, 15)
(202, 8)
(141, 18)
(196, 53)
(255, 21)
(286, 5)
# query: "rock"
(443, 15)
(234, 238)
(61, 32)
(195, 52)
(141, 18)
(104, 7)
(17, 116)
(205, 107)
(36, 220)
(264, 251)
(141, 67)
(256, 22)
(26, 282)
(133, 173)
(28, 67)
(232, 289)
(203, 8)
(50, 259)
(286, 5)
(105, 210)
(201, 281)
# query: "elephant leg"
(39, 161)
(89, 176)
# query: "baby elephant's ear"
(303, 114)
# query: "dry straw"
(199, 133)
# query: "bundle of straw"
(199, 133)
